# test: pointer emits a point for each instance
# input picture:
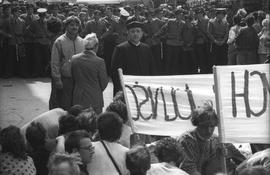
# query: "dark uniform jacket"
(134, 60)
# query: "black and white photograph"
(134, 87)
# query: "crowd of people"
(80, 47)
(183, 40)
(80, 142)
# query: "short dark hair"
(255, 170)
(250, 20)
(12, 142)
(75, 110)
(120, 108)
(71, 19)
(109, 126)
(237, 19)
(203, 114)
(87, 120)
(35, 135)
(15, 9)
(67, 123)
(168, 149)
(72, 139)
(138, 160)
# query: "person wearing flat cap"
(134, 57)
(89, 75)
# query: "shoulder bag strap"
(113, 161)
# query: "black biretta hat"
(134, 24)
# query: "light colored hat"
(41, 10)
(123, 12)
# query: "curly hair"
(13, 142)
(71, 19)
(204, 114)
(87, 120)
(120, 108)
(168, 149)
(119, 96)
(67, 123)
(109, 126)
(138, 160)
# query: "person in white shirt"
(109, 157)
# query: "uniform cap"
(123, 12)
(41, 10)
(134, 24)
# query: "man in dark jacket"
(134, 57)
(89, 76)
(247, 43)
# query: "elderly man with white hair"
(89, 76)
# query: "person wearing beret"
(134, 57)
(89, 75)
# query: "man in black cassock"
(134, 57)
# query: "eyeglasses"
(90, 147)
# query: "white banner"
(243, 100)
(161, 105)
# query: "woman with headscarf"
(201, 145)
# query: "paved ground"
(23, 99)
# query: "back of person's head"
(255, 170)
(249, 20)
(12, 142)
(237, 19)
(35, 135)
(109, 126)
(67, 123)
(63, 164)
(120, 108)
(72, 140)
(138, 160)
(266, 23)
(169, 150)
(87, 120)
(75, 110)
(119, 96)
(91, 42)
(242, 12)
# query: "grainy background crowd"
(79, 46)
(185, 41)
